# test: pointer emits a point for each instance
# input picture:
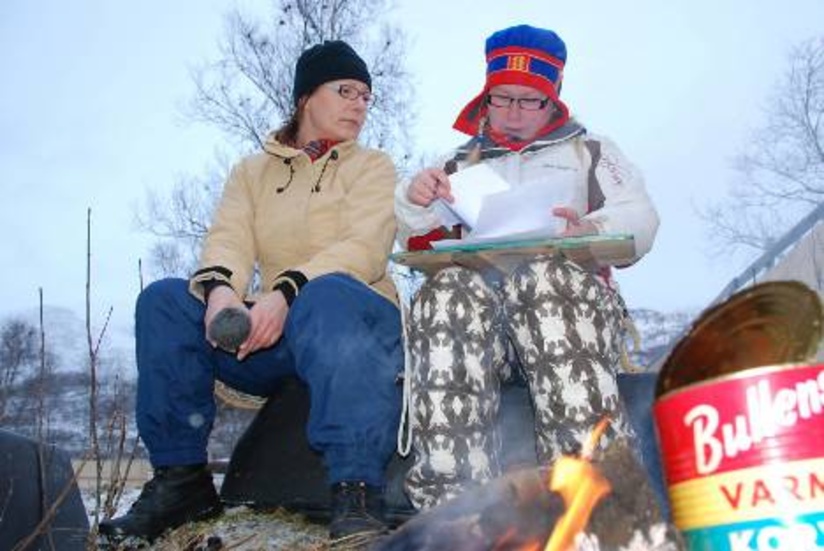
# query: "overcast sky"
(90, 118)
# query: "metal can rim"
(747, 373)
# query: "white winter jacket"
(610, 190)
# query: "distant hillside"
(56, 403)
(658, 331)
(66, 336)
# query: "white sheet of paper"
(523, 209)
(469, 187)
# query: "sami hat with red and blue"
(523, 55)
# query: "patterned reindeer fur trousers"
(565, 328)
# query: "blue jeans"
(340, 337)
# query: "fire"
(581, 487)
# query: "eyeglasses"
(347, 91)
(527, 104)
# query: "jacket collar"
(490, 149)
(278, 149)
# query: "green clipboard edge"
(590, 252)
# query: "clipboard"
(591, 252)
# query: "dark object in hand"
(229, 328)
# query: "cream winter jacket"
(285, 213)
(610, 190)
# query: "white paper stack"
(494, 211)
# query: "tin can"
(742, 440)
(744, 459)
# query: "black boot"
(356, 509)
(174, 496)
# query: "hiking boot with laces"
(356, 509)
(174, 496)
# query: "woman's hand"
(268, 318)
(574, 225)
(428, 185)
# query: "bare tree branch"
(18, 355)
(781, 170)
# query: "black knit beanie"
(332, 60)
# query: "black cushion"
(32, 479)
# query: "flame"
(581, 487)
(594, 437)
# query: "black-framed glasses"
(350, 92)
(527, 104)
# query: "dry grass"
(242, 529)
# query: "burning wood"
(605, 504)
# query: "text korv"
(796, 537)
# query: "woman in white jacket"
(548, 321)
